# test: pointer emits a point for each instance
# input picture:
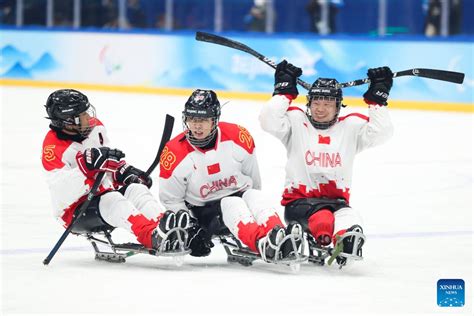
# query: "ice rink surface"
(414, 192)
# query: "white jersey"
(320, 161)
(136, 210)
(194, 176)
(67, 184)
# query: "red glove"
(94, 160)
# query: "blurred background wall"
(149, 44)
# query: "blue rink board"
(179, 61)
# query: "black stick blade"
(444, 75)
(223, 41)
(166, 136)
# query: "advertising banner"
(179, 61)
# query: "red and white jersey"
(188, 173)
(320, 161)
(67, 184)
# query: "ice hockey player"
(75, 150)
(211, 169)
(321, 149)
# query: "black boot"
(268, 245)
(159, 235)
(178, 238)
(348, 245)
(293, 229)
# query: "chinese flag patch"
(213, 169)
(324, 139)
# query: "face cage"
(200, 142)
(323, 125)
(77, 123)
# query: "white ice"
(414, 192)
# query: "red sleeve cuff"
(368, 102)
(290, 97)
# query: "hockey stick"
(436, 74)
(219, 40)
(83, 208)
(443, 75)
(167, 130)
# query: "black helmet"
(202, 104)
(64, 107)
(328, 89)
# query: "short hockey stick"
(167, 130)
(443, 75)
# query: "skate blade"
(290, 261)
(173, 253)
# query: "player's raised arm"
(273, 116)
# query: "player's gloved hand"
(127, 174)
(285, 79)
(381, 80)
(199, 241)
(93, 160)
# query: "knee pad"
(321, 226)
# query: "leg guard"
(345, 218)
(238, 218)
(262, 212)
(321, 226)
(142, 199)
(117, 211)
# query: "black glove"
(285, 78)
(381, 80)
(100, 159)
(127, 174)
(199, 241)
